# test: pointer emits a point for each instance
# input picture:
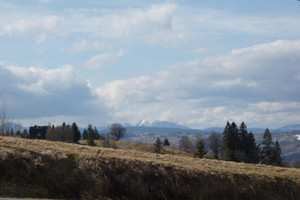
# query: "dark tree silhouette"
(200, 148)
(157, 145)
(117, 131)
(267, 148)
(76, 133)
(166, 142)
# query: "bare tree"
(186, 143)
(5, 121)
(215, 141)
(117, 131)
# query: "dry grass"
(143, 147)
(134, 152)
(136, 159)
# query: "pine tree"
(277, 160)
(84, 134)
(18, 133)
(200, 148)
(233, 142)
(166, 142)
(90, 140)
(24, 134)
(251, 149)
(157, 145)
(225, 151)
(76, 133)
(267, 148)
(243, 133)
(232, 147)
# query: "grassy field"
(36, 168)
(142, 147)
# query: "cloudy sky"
(196, 63)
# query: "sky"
(196, 63)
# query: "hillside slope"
(36, 168)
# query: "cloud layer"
(37, 92)
(196, 63)
(246, 84)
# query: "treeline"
(237, 144)
(115, 133)
(67, 133)
(63, 133)
(15, 133)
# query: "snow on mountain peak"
(157, 123)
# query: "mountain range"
(157, 124)
(171, 125)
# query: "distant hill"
(291, 127)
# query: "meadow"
(44, 169)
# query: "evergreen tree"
(243, 133)
(166, 142)
(267, 148)
(18, 133)
(225, 151)
(84, 134)
(90, 140)
(251, 149)
(232, 147)
(157, 145)
(92, 131)
(91, 134)
(76, 133)
(235, 143)
(25, 134)
(200, 148)
(277, 160)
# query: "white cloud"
(104, 59)
(274, 106)
(169, 39)
(220, 21)
(31, 24)
(216, 89)
(124, 23)
(36, 92)
(44, 81)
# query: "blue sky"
(197, 63)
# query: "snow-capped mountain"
(158, 124)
